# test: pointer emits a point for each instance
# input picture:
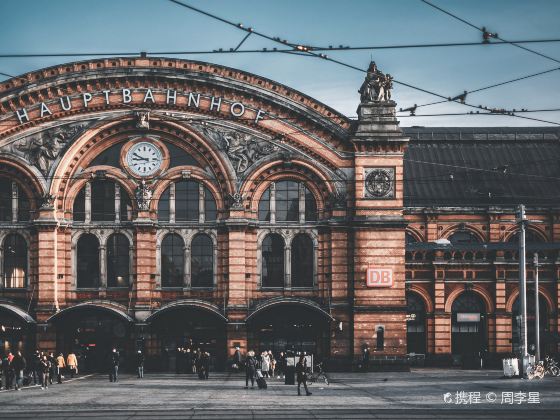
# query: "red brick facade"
(58, 124)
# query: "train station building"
(149, 202)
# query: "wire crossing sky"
(78, 27)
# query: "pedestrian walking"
(281, 365)
(301, 372)
(265, 366)
(53, 364)
(72, 363)
(45, 366)
(18, 365)
(236, 364)
(6, 372)
(36, 367)
(250, 369)
(365, 358)
(188, 361)
(140, 364)
(205, 363)
(114, 360)
(60, 365)
(272, 367)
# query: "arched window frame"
(206, 203)
(213, 254)
(269, 199)
(26, 240)
(288, 236)
(160, 259)
(121, 201)
(102, 236)
(18, 200)
(187, 235)
(127, 282)
(290, 273)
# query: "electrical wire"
(484, 32)
(300, 47)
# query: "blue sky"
(159, 25)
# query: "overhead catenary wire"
(484, 32)
(302, 48)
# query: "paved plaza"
(418, 394)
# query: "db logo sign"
(379, 277)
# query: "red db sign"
(379, 277)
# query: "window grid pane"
(210, 212)
(310, 206)
(202, 261)
(102, 201)
(287, 201)
(15, 261)
(163, 206)
(302, 261)
(273, 261)
(172, 261)
(118, 261)
(87, 264)
(264, 206)
(186, 200)
(5, 200)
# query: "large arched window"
(202, 261)
(302, 259)
(108, 202)
(463, 237)
(118, 260)
(172, 261)
(272, 265)
(287, 201)
(14, 204)
(187, 201)
(15, 261)
(87, 261)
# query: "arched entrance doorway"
(468, 329)
(17, 330)
(179, 327)
(545, 346)
(91, 331)
(290, 326)
(415, 324)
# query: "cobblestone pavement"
(414, 395)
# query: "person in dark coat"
(52, 361)
(7, 371)
(188, 361)
(236, 360)
(114, 360)
(18, 365)
(45, 366)
(205, 363)
(140, 364)
(250, 369)
(36, 367)
(301, 372)
(365, 358)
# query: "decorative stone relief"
(379, 183)
(236, 201)
(42, 149)
(243, 149)
(143, 196)
(142, 119)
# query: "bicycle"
(535, 370)
(551, 366)
(319, 374)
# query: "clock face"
(144, 158)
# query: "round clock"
(144, 159)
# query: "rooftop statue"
(377, 85)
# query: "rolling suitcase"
(261, 382)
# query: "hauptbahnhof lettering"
(137, 212)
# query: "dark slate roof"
(481, 167)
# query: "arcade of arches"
(161, 209)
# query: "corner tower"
(378, 225)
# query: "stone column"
(287, 267)
(172, 202)
(117, 203)
(88, 203)
(187, 266)
(102, 266)
(14, 202)
(272, 202)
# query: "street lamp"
(522, 222)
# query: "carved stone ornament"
(143, 196)
(236, 201)
(242, 149)
(142, 119)
(377, 85)
(337, 200)
(42, 149)
(379, 183)
(47, 201)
